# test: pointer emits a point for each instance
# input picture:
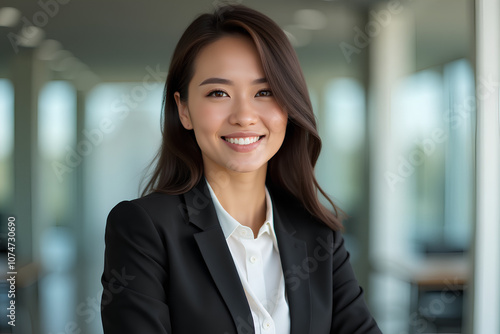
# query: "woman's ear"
(183, 112)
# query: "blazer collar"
(213, 246)
(212, 243)
(200, 208)
(293, 254)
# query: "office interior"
(406, 98)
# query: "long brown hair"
(179, 165)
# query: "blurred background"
(406, 97)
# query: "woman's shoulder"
(156, 206)
(157, 200)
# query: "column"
(28, 75)
(485, 290)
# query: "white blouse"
(259, 267)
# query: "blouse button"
(267, 325)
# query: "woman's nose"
(243, 113)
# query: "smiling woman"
(237, 122)
(230, 236)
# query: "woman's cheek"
(277, 123)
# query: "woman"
(230, 236)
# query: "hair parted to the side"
(179, 165)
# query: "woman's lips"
(243, 143)
(242, 140)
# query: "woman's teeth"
(242, 141)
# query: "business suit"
(168, 269)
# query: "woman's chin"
(244, 167)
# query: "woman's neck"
(242, 195)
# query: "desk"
(437, 290)
(437, 302)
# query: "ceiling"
(118, 39)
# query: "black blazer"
(168, 269)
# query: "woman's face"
(235, 117)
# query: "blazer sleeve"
(135, 275)
(350, 312)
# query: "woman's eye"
(264, 93)
(217, 93)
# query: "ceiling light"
(310, 19)
(9, 16)
(31, 36)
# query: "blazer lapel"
(293, 253)
(215, 252)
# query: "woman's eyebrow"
(229, 82)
